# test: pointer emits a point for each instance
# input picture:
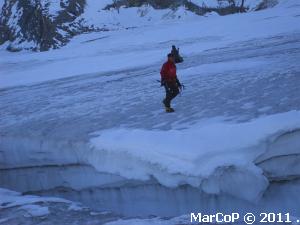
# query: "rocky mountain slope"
(42, 25)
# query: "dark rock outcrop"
(266, 4)
(28, 24)
(232, 7)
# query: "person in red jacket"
(170, 81)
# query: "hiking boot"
(169, 110)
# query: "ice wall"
(210, 166)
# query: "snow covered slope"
(124, 49)
(43, 25)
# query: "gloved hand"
(162, 82)
(179, 84)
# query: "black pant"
(171, 92)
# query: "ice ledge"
(219, 157)
(216, 157)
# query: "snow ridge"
(194, 157)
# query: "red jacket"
(168, 72)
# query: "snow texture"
(88, 118)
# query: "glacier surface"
(92, 129)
